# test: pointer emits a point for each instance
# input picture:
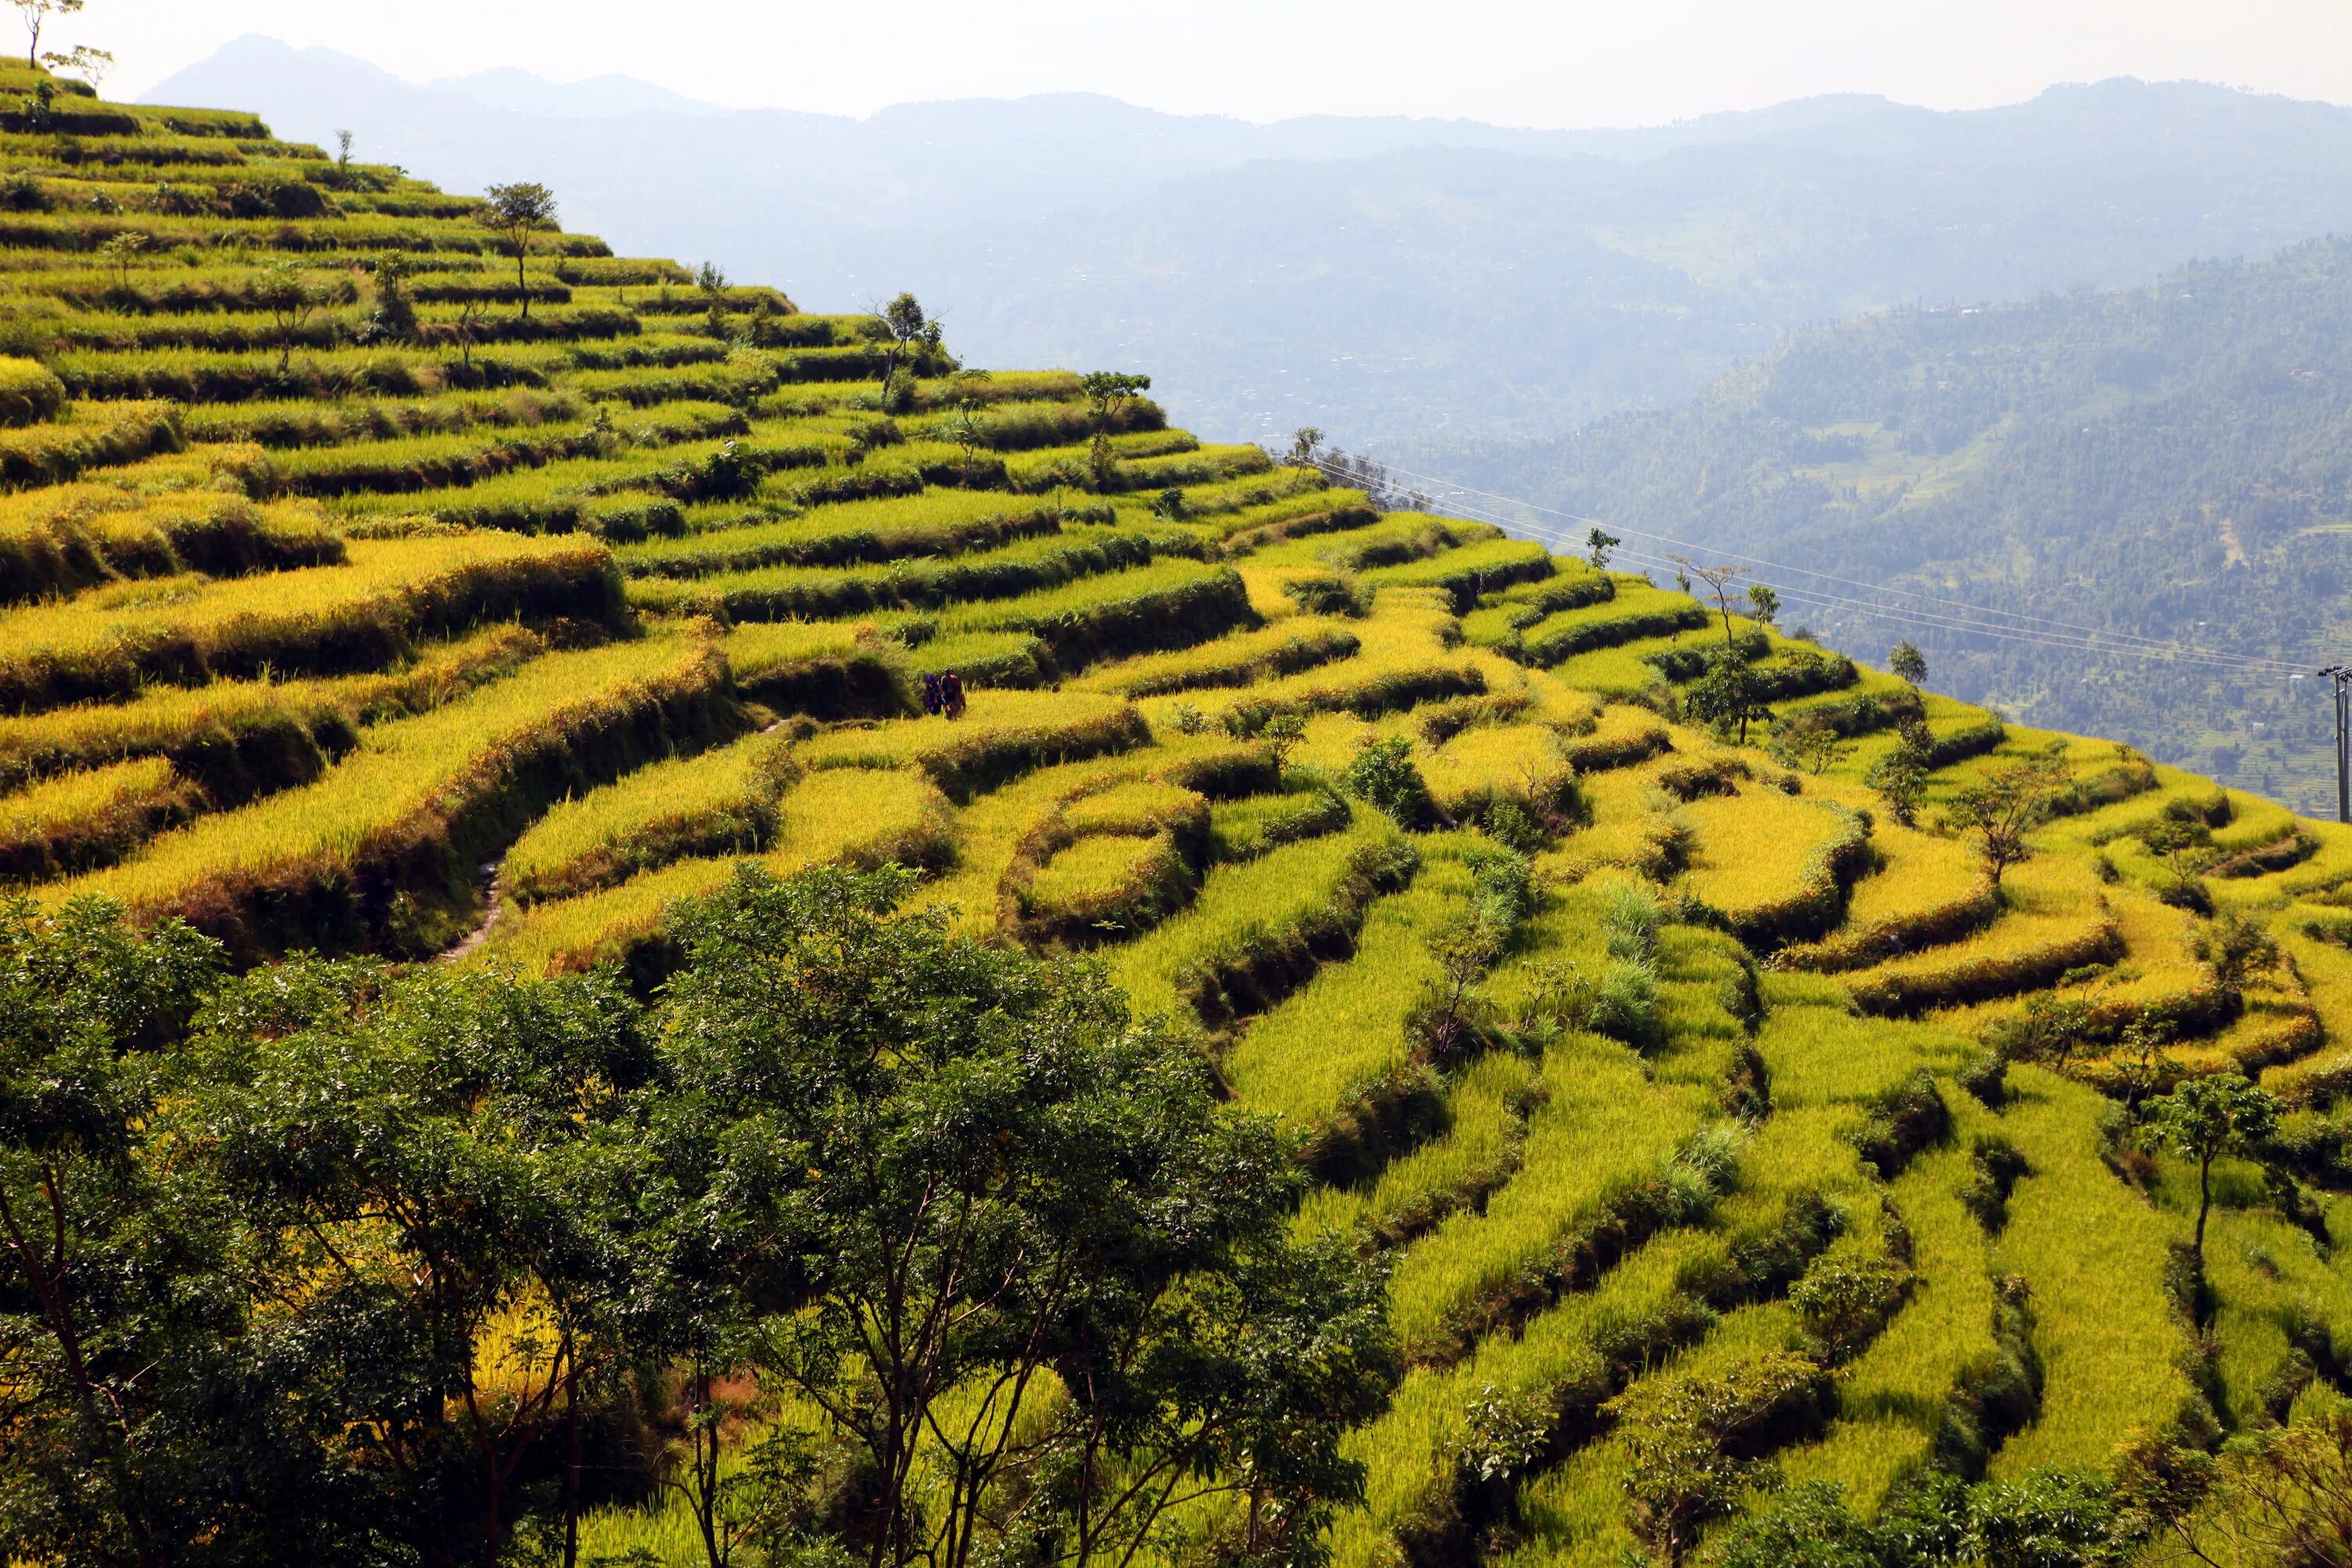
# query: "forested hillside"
(2173, 462)
(645, 928)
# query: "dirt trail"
(493, 903)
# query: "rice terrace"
(531, 1034)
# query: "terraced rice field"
(419, 635)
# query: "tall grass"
(864, 817)
(433, 793)
(2092, 1254)
(355, 616)
(713, 803)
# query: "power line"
(2037, 630)
(2074, 634)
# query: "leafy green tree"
(1901, 779)
(2182, 844)
(2282, 1495)
(1283, 735)
(1908, 663)
(969, 429)
(396, 313)
(2051, 1030)
(912, 335)
(444, 1185)
(2005, 805)
(1108, 393)
(1238, 1381)
(110, 1270)
(291, 299)
(1763, 602)
(926, 1171)
(2206, 1119)
(1810, 742)
(1306, 448)
(1729, 696)
(1597, 543)
(519, 211)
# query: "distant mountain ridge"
(1384, 278)
(594, 98)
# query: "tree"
(90, 65)
(2141, 1048)
(471, 313)
(2206, 1119)
(1729, 696)
(2239, 949)
(1108, 393)
(291, 299)
(713, 284)
(2051, 1031)
(1720, 580)
(2005, 805)
(120, 253)
(1901, 778)
(2181, 844)
(1283, 735)
(396, 313)
(926, 1172)
(969, 429)
(1763, 602)
(460, 1232)
(2285, 1496)
(109, 1302)
(1305, 447)
(35, 14)
(1239, 1382)
(1811, 743)
(1597, 543)
(910, 335)
(343, 140)
(1908, 663)
(519, 211)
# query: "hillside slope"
(2166, 462)
(357, 608)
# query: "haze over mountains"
(1386, 279)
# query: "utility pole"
(2342, 677)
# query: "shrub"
(1382, 775)
(29, 393)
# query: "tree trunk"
(572, 1470)
(2204, 1207)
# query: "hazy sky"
(1522, 62)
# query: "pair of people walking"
(943, 694)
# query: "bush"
(1382, 775)
(29, 394)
